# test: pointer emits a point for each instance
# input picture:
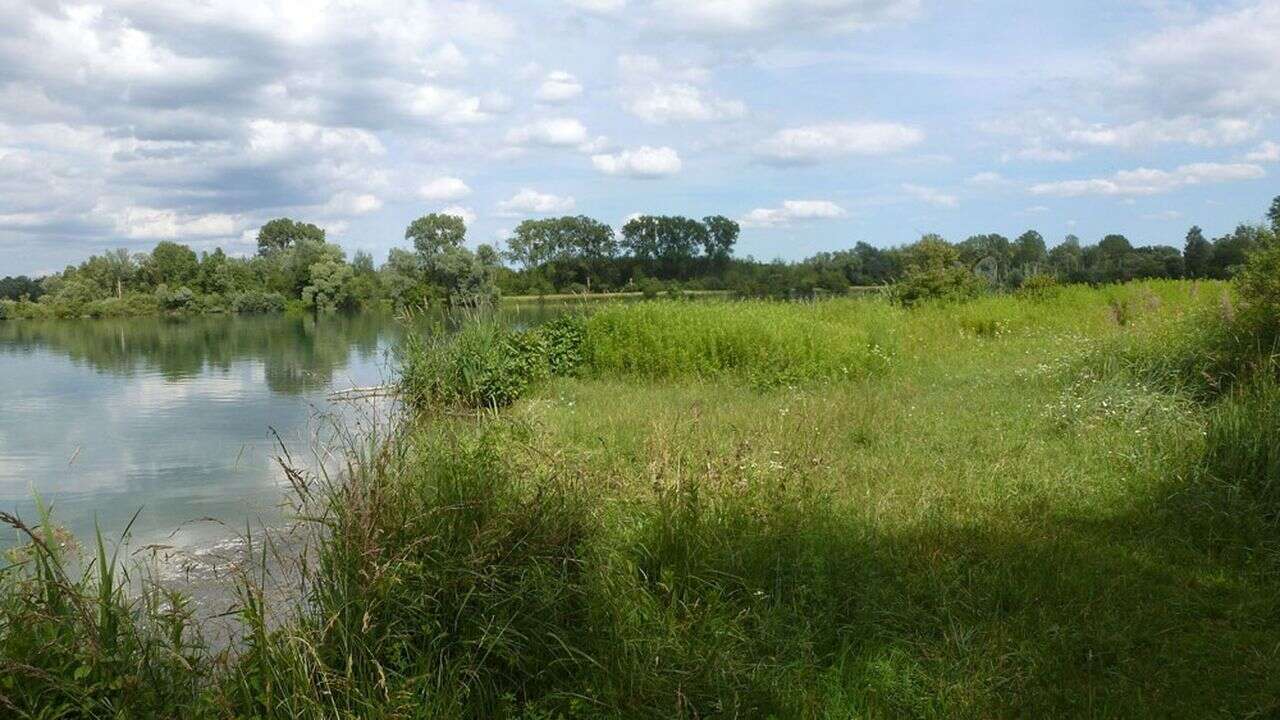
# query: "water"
(102, 418)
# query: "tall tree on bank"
(721, 236)
(1196, 253)
(282, 233)
(1273, 214)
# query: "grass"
(1008, 507)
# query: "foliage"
(283, 233)
(934, 272)
(330, 287)
(484, 365)
(252, 302)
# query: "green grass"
(1008, 507)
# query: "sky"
(815, 123)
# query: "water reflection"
(102, 417)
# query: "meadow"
(1060, 502)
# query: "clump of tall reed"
(80, 638)
(485, 364)
(765, 343)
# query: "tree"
(172, 264)
(282, 233)
(1231, 251)
(934, 271)
(433, 234)
(979, 247)
(1273, 215)
(1115, 246)
(1066, 259)
(721, 236)
(640, 237)
(1196, 254)
(330, 286)
(1029, 250)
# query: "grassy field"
(1053, 505)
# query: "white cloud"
(553, 132)
(933, 196)
(558, 87)
(351, 203)
(444, 105)
(1268, 152)
(791, 211)
(1226, 63)
(814, 143)
(599, 6)
(989, 179)
(1185, 130)
(743, 17)
(529, 201)
(277, 137)
(444, 188)
(661, 91)
(642, 162)
(467, 214)
(148, 223)
(662, 103)
(1145, 181)
(1039, 154)
(1167, 215)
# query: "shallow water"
(177, 418)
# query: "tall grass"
(89, 643)
(766, 343)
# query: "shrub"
(1039, 286)
(484, 365)
(175, 299)
(257, 302)
(563, 339)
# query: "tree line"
(295, 266)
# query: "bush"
(484, 365)
(1038, 286)
(563, 339)
(175, 299)
(945, 284)
(257, 302)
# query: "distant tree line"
(295, 267)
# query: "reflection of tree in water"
(298, 353)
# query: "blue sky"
(816, 123)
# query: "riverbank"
(1010, 506)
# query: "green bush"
(1039, 286)
(563, 338)
(484, 365)
(257, 302)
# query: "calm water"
(103, 417)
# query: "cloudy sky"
(816, 123)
